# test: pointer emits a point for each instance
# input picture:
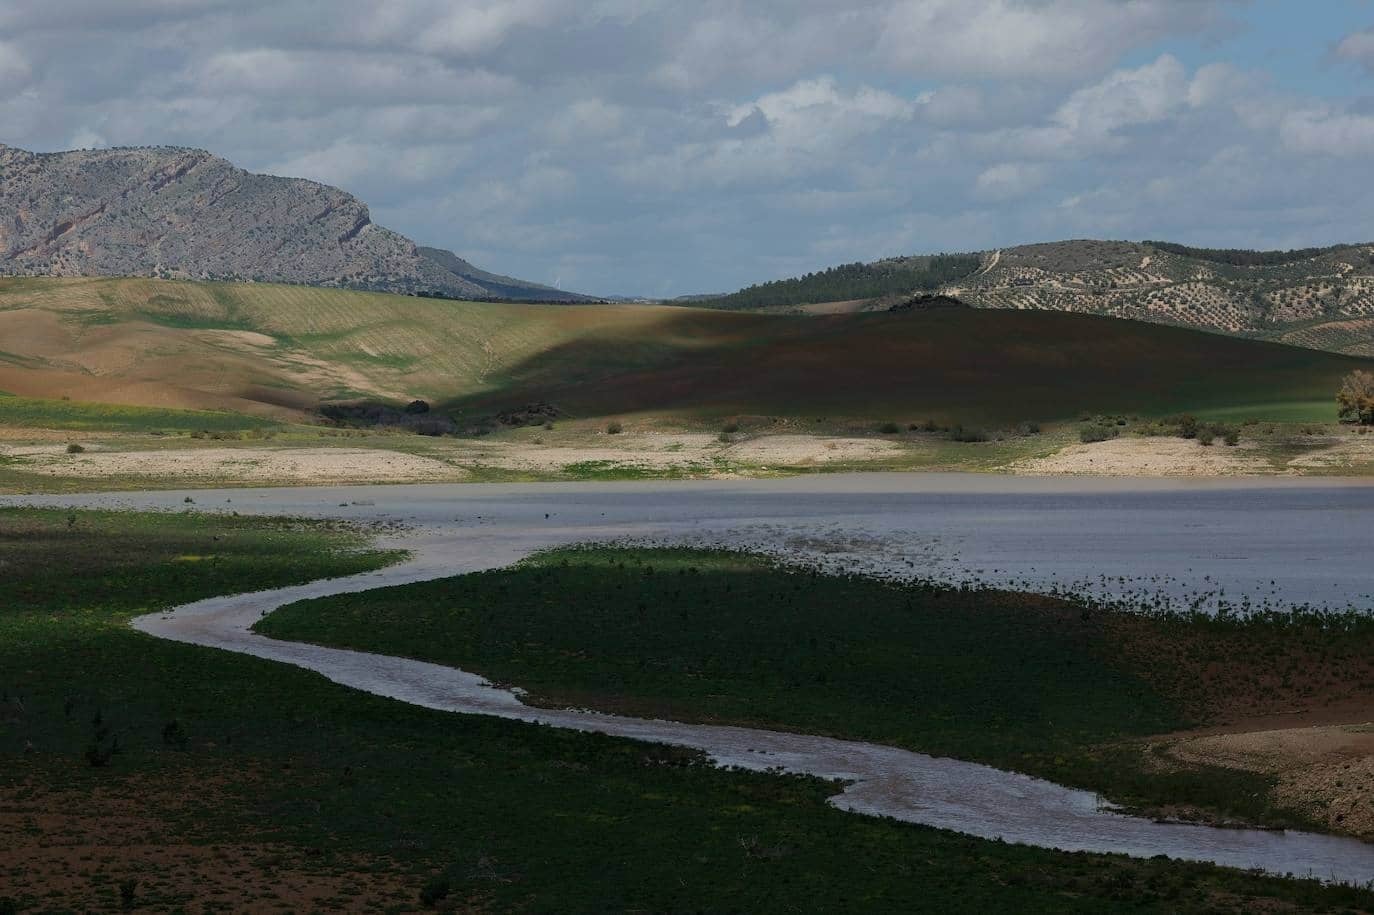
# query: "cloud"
(1126, 98)
(14, 68)
(1327, 131)
(1009, 181)
(1030, 38)
(1358, 47)
(646, 145)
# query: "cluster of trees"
(1239, 257)
(1356, 398)
(855, 281)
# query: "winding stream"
(1184, 544)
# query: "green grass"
(33, 413)
(971, 367)
(957, 366)
(518, 816)
(1012, 680)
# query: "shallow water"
(1117, 538)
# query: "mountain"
(184, 213)
(1321, 298)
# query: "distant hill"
(184, 213)
(1321, 298)
(282, 350)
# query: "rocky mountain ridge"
(185, 213)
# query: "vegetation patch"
(241, 779)
(1031, 683)
(67, 414)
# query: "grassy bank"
(1034, 684)
(242, 783)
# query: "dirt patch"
(1350, 452)
(69, 848)
(655, 451)
(303, 465)
(1325, 772)
(1149, 457)
(795, 450)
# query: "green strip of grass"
(513, 816)
(81, 416)
(1017, 681)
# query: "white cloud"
(1030, 38)
(1126, 98)
(86, 138)
(14, 68)
(1326, 131)
(1358, 47)
(1009, 181)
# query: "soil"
(1149, 457)
(260, 464)
(73, 847)
(1327, 772)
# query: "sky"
(661, 148)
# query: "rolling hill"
(283, 350)
(172, 212)
(1322, 298)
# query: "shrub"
(1187, 425)
(1205, 436)
(889, 428)
(1097, 432)
(960, 434)
(614, 428)
(128, 893)
(730, 428)
(435, 891)
(1028, 428)
(1232, 437)
(1356, 398)
(174, 735)
(74, 448)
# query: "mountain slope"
(1317, 298)
(282, 350)
(172, 212)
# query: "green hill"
(1322, 298)
(284, 350)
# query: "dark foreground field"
(145, 774)
(1035, 684)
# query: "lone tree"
(1356, 398)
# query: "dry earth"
(73, 848)
(1324, 771)
(257, 464)
(1149, 457)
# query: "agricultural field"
(222, 777)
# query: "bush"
(614, 428)
(960, 434)
(74, 448)
(1356, 398)
(730, 428)
(1097, 432)
(1028, 428)
(1232, 437)
(889, 428)
(1205, 436)
(1186, 424)
(435, 891)
(128, 893)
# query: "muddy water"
(1283, 543)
